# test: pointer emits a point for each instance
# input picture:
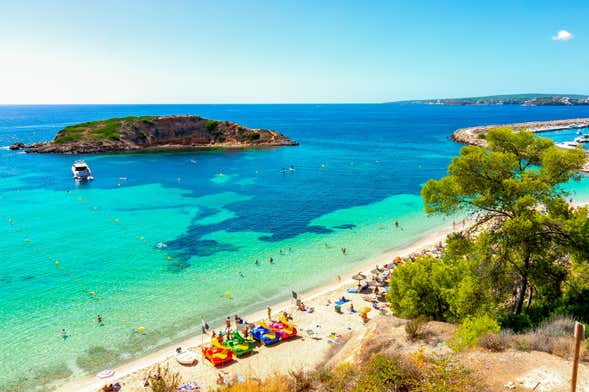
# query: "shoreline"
(132, 372)
(91, 383)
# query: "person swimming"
(99, 319)
(257, 262)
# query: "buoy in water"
(116, 220)
(94, 208)
(56, 263)
(179, 179)
(221, 174)
(142, 238)
(119, 185)
(323, 165)
(228, 294)
(92, 293)
(169, 258)
(141, 329)
(27, 240)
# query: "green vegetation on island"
(523, 262)
(98, 130)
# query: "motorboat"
(81, 171)
(569, 145)
(582, 139)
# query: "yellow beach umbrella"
(365, 309)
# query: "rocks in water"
(18, 146)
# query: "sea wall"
(472, 135)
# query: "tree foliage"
(517, 254)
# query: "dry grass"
(492, 342)
(414, 372)
(553, 337)
(415, 328)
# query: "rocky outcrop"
(476, 135)
(148, 133)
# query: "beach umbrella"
(359, 277)
(365, 309)
(376, 271)
(398, 259)
(373, 283)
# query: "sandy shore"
(305, 352)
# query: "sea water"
(160, 241)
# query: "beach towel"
(190, 387)
(341, 302)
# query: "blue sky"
(295, 51)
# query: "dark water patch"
(40, 380)
(186, 247)
(347, 226)
(97, 357)
(155, 207)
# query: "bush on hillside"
(492, 342)
(415, 327)
(471, 329)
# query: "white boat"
(81, 171)
(568, 145)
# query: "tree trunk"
(530, 298)
(521, 296)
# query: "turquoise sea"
(164, 248)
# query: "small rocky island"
(155, 133)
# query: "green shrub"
(471, 329)
(521, 343)
(255, 135)
(164, 379)
(415, 327)
(418, 289)
(211, 125)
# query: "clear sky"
(288, 51)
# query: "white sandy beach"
(305, 352)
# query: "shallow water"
(358, 169)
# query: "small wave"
(4, 147)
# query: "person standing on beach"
(271, 260)
(269, 310)
(228, 322)
(396, 223)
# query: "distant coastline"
(510, 99)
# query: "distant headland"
(512, 99)
(155, 133)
